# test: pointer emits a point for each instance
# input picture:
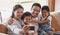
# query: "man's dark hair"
(36, 4)
(26, 14)
(15, 8)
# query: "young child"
(26, 17)
(44, 28)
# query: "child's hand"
(26, 28)
(33, 20)
(10, 21)
(52, 29)
(45, 33)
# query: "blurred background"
(6, 6)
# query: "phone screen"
(31, 27)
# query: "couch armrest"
(3, 28)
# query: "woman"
(15, 25)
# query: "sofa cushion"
(3, 28)
(56, 21)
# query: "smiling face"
(45, 13)
(35, 11)
(18, 13)
(27, 19)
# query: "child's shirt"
(46, 25)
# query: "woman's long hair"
(15, 8)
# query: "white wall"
(27, 6)
(57, 6)
(7, 5)
(6, 8)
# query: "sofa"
(55, 23)
(3, 29)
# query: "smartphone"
(31, 28)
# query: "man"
(36, 7)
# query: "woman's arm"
(17, 30)
(14, 29)
(10, 21)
